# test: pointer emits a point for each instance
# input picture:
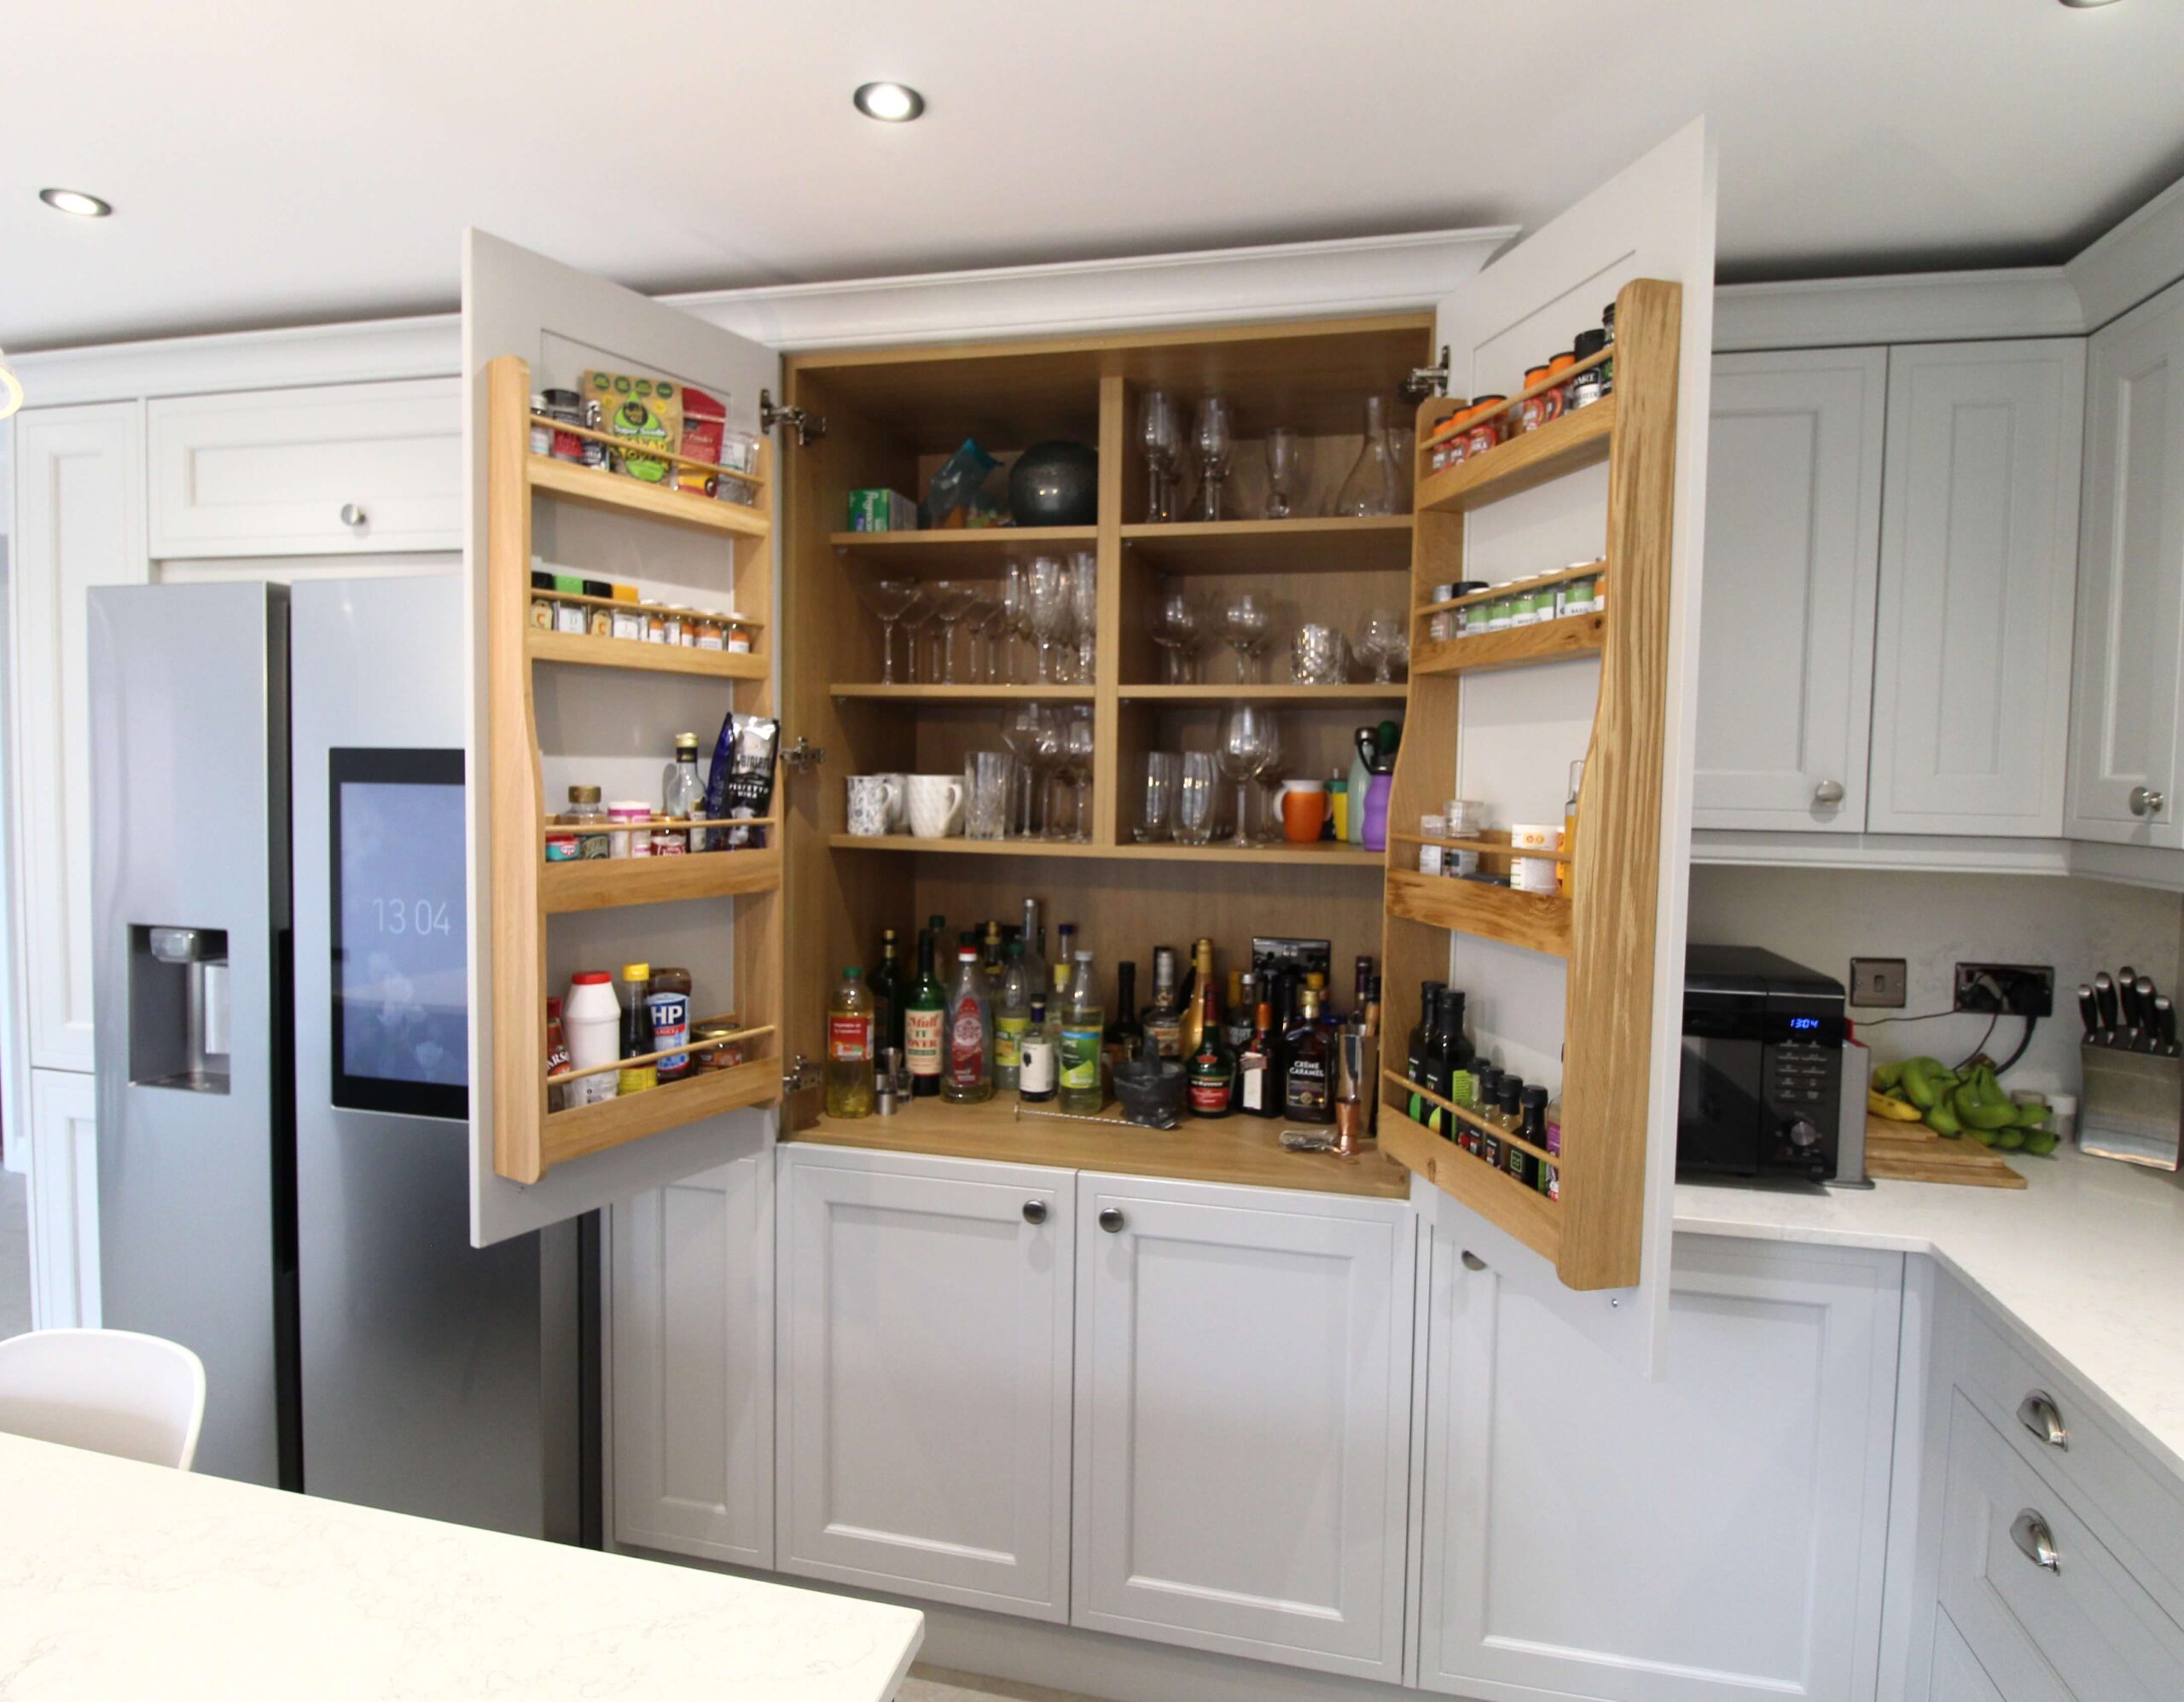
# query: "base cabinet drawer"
(1958, 1674)
(340, 470)
(2053, 1615)
(1243, 1420)
(924, 1377)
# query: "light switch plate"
(1876, 983)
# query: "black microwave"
(1762, 1093)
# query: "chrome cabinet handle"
(1828, 792)
(2144, 801)
(1473, 1261)
(351, 515)
(1035, 1211)
(2035, 1541)
(2038, 1413)
(1111, 1219)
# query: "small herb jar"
(1430, 828)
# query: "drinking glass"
(1318, 655)
(1382, 644)
(977, 623)
(1084, 606)
(1197, 799)
(1156, 798)
(1076, 745)
(1177, 620)
(1033, 737)
(1047, 605)
(951, 601)
(1282, 468)
(987, 777)
(1247, 745)
(889, 600)
(914, 619)
(1160, 436)
(1009, 624)
(1215, 439)
(1370, 488)
(1243, 625)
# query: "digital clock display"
(1804, 1025)
(401, 934)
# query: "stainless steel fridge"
(280, 962)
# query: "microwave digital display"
(1804, 1025)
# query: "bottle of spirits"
(636, 1029)
(1035, 1081)
(1364, 984)
(968, 1076)
(1035, 948)
(1065, 958)
(1125, 1037)
(1421, 1040)
(1212, 1067)
(925, 1024)
(1259, 1087)
(1456, 1045)
(1012, 1016)
(1193, 1008)
(891, 994)
(1307, 1066)
(1164, 1017)
(849, 1046)
(1083, 1029)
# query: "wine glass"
(1246, 746)
(889, 600)
(1033, 737)
(1282, 468)
(1243, 623)
(1009, 624)
(978, 622)
(951, 600)
(1161, 438)
(1084, 606)
(1073, 768)
(1215, 439)
(1382, 643)
(914, 619)
(1177, 620)
(1047, 605)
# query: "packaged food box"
(882, 511)
(647, 412)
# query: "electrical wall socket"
(1876, 983)
(2027, 988)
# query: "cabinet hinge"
(809, 426)
(804, 756)
(1426, 380)
(801, 1073)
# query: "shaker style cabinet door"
(1793, 481)
(2130, 622)
(1958, 1676)
(341, 470)
(693, 1345)
(1979, 571)
(924, 1377)
(1715, 1533)
(1243, 1420)
(64, 1201)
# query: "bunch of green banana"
(1959, 1102)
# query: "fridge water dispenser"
(178, 1008)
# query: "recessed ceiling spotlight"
(2087, 5)
(889, 102)
(75, 202)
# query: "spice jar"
(716, 1056)
(672, 625)
(595, 454)
(585, 811)
(1486, 430)
(636, 843)
(1438, 626)
(1608, 334)
(565, 407)
(625, 619)
(1500, 614)
(712, 636)
(541, 431)
(1523, 609)
(1532, 412)
(543, 612)
(736, 636)
(1430, 828)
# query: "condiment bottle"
(591, 1019)
(669, 1000)
(1569, 827)
(849, 1046)
(557, 1058)
(1035, 1081)
(1523, 1166)
(636, 1031)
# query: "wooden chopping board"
(1911, 1152)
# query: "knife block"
(2132, 1107)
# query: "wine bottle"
(1193, 1011)
(1035, 1080)
(1421, 1042)
(1212, 1065)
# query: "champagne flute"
(1074, 768)
(889, 600)
(978, 622)
(1282, 468)
(1216, 440)
(1159, 437)
(1048, 607)
(1084, 603)
(1246, 745)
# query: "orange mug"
(1304, 809)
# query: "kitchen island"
(123, 1580)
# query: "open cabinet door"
(550, 708)
(1583, 986)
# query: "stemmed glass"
(1247, 745)
(1010, 623)
(1243, 625)
(1072, 768)
(1177, 620)
(889, 600)
(1033, 736)
(1215, 439)
(978, 621)
(914, 619)
(1382, 643)
(1161, 438)
(1280, 471)
(1047, 605)
(951, 601)
(1084, 606)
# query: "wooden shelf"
(1287, 695)
(609, 883)
(1525, 1212)
(567, 1135)
(585, 651)
(645, 451)
(618, 492)
(1404, 1088)
(971, 552)
(1321, 853)
(1560, 447)
(1515, 647)
(1244, 1150)
(1327, 544)
(1538, 922)
(963, 694)
(1510, 588)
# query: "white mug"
(936, 805)
(875, 803)
(898, 800)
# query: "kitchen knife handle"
(2164, 1021)
(2104, 994)
(2090, 1013)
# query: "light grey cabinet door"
(1978, 572)
(1793, 480)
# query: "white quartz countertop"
(119, 1580)
(2088, 1259)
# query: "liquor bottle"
(1448, 1066)
(1421, 1042)
(1035, 1080)
(891, 992)
(966, 1078)
(683, 794)
(1486, 1092)
(1532, 1126)
(925, 1023)
(1243, 1002)
(1082, 1024)
(1364, 996)
(1065, 959)
(1164, 1017)
(1012, 1016)
(1307, 1066)
(1035, 949)
(1193, 1009)
(991, 961)
(1258, 1088)
(849, 1046)
(1125, 1037)
(636, 1029)
(1212, 1067)
(1316, 984)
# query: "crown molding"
(2139, 259)
(1932, 307)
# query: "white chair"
(114, 1391)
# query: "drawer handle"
(351, 515)
(1828, 793)
(1035, 1211)
(2038, 1413)
(1111, 1219)
(1473, 1261)
(2144, 801)
(2030, 1533)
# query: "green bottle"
(925, 1025)
(1083, 1026)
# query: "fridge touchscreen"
(401, 960)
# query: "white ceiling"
(291, 160)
